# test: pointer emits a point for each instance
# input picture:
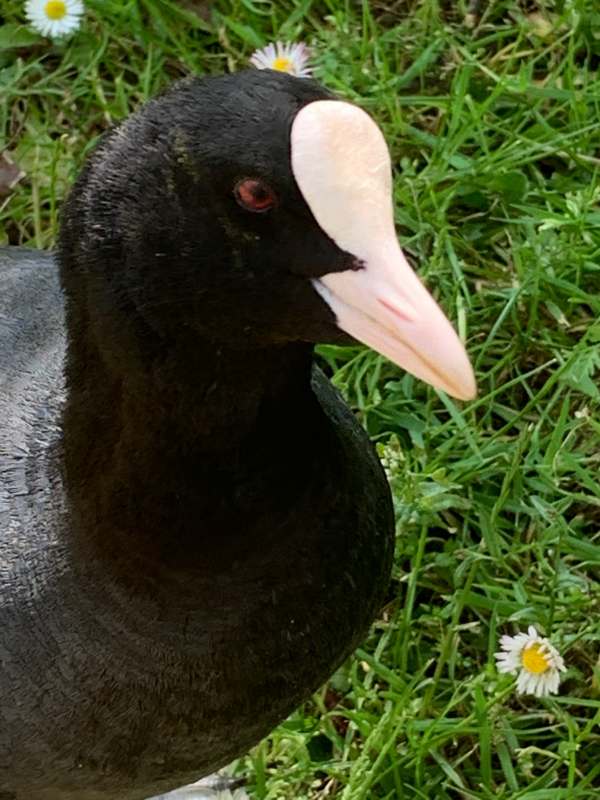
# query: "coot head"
(249, 210)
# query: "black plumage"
(194, 529)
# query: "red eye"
(254, 195)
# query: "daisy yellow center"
(283, 64)
(535, 661)
(55, 9)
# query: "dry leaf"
(10, 174)
(540, 24)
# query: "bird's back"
(31, 316)
(31, 368)
(31, 359)
(31, 347)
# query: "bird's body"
(194, 529)
(132, 665)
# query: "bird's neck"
(202, 437)
(204, 401)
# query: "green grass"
(495, 135)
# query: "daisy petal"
(289, 57)
(54, 18)
(535, 661)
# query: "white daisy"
(54, 18)
(292, 58)
(537, 662)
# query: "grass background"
(491, 111)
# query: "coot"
(194, 529)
